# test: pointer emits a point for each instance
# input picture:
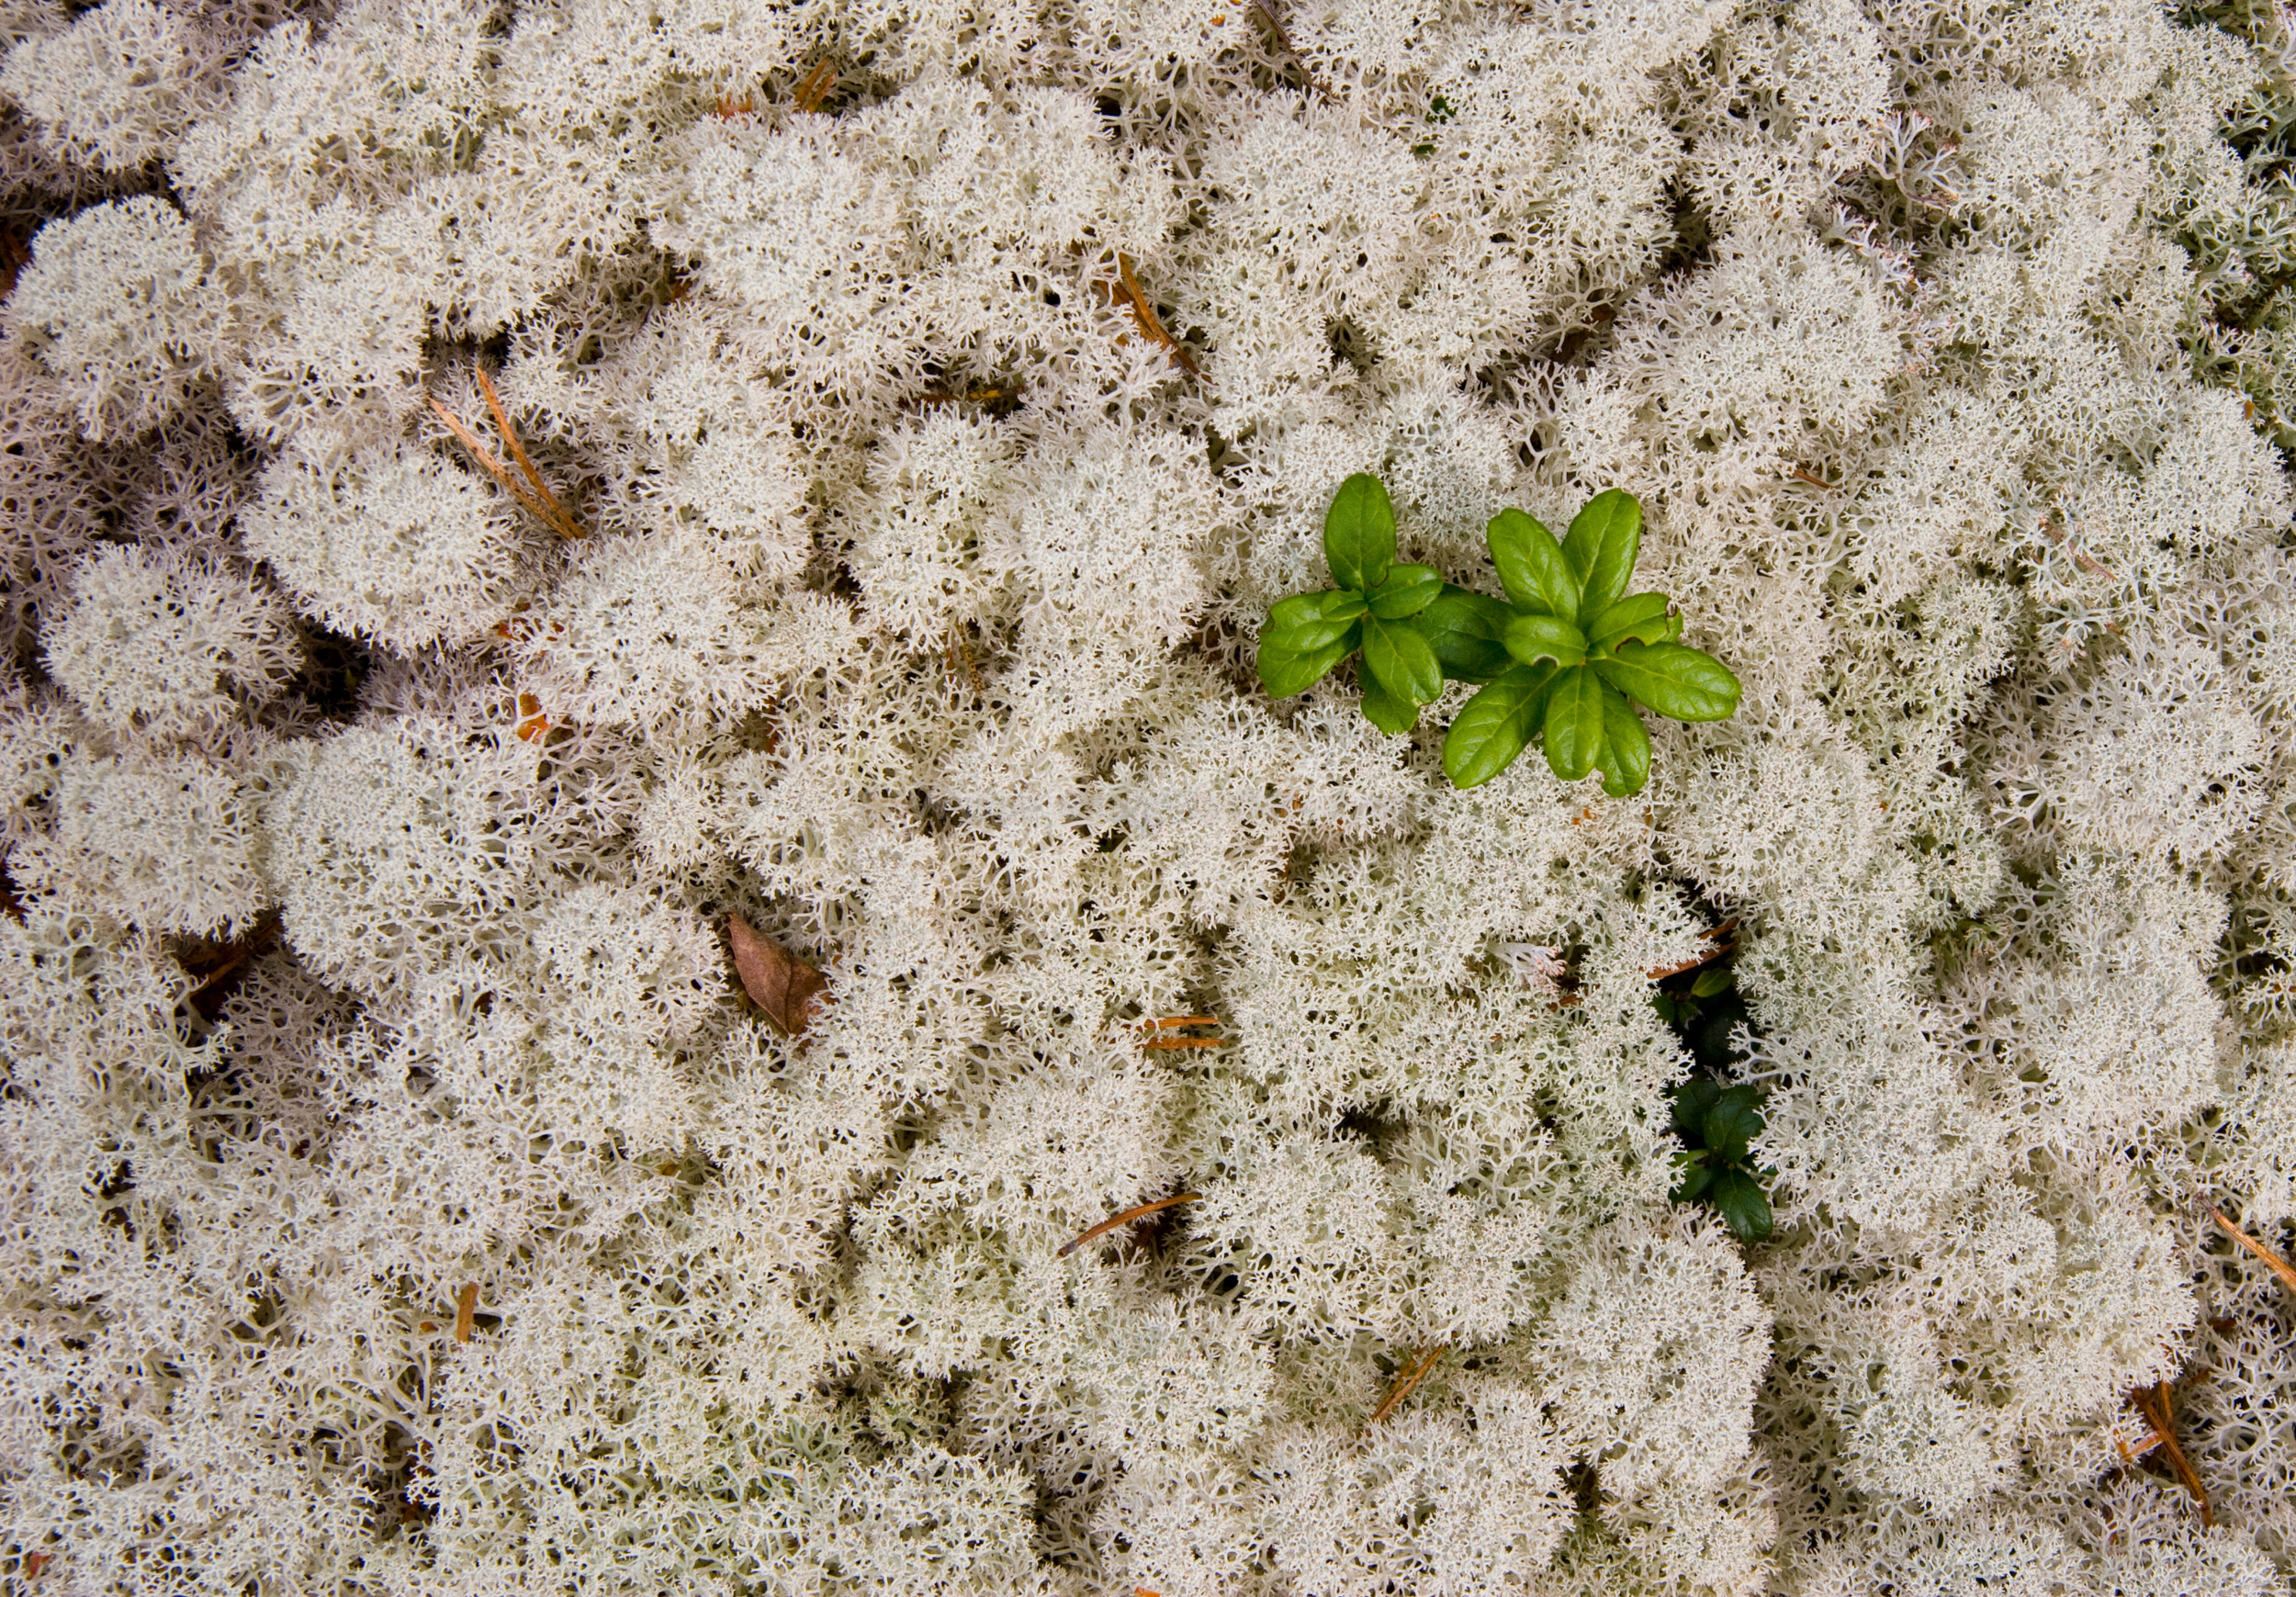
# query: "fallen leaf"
(784, 986)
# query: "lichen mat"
(496, 496)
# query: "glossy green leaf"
(1532, 568)
(1692, 1100)
(1695, 1179)
(1732, 1121)
(1286, 668)
(1602, 545)
(1384, 710)
(1407, 590)
(1640, 616)
(1679, 682)
(1737, 1197)
(1467, 631)
(1359, 534)
(1533, 638)
(1326, 604)
(1625, 757)
(1399, 661)
(1310, 636)
(1496, 724)
(1574, 723)
(1712, 981)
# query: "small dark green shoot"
(1718, 1126)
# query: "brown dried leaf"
(784, 986)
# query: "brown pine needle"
(465, 1310)
(1169, 1042)
(559, 518)
(1130, 1215)
(1802, 476)
(1150, 322)
(1403, 1387)
(550, 514)
(2272, 1261)
(1189, 1020)
(957, 651)
(817, 87)
(2158, 1408)
(1660, 973)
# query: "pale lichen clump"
(492, 495)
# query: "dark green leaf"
(1738, 1198)
(1669, 1011)
(1692, 1100)
(1496, 724)
(1407, 590)
(1359, 534)
(1384, 710)
(1533, 638)
(1625, 757)
(1695, 1179)
(1712, 980)
(1679, 682)
(1326, 604)
(1531, 566)
(1600, 546)
(1285, 668)
(1466, 631)
(1640, 616)
(1732, 1121)
(1574, 723)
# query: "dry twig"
(465, 1310)
(1404, 1387)
(1174, 1022)
(538, 500)
(817, 87)
(1130, 1215)
(1150, 324)
(2272, 1261)
(2157, 1404)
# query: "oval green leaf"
(1626, 758)
(1359, 534)
(1496, 724)
(1531, 566)
(1680, 682)
(1737, 1197)
(1286, 669)
(1533, 638)
(1400, 661)
(1602, 545)
(1732, 1121)
(1574, 723)
(1467, 633)
(1407, 590)
(1695, 1179)
(1639, 618)
(1384, 710)
(1325, 604)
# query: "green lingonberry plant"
(1567, 658)
(1717, 1125)
(1309, 633)
(1581, 654)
